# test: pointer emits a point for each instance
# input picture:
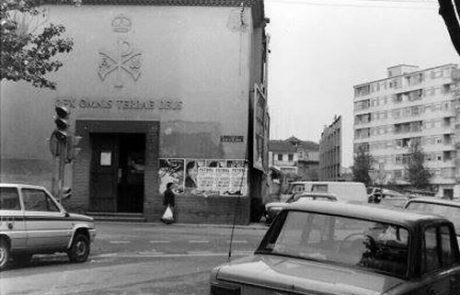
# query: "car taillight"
(224, 289)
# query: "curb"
(253, 226)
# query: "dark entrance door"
(131, 182)
(117, 172)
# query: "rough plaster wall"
(182, 139)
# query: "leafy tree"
(449, 9)
(362, 164)
(417, 174)
(27, 52)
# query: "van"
(351, 192)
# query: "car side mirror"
(66, 214)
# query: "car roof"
(435, 201)
(374, 213)
(326, 182)
(317, 194)
(20, 185)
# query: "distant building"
(295, 157)
(330, 151)
(411, 105)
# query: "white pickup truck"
(33, 222)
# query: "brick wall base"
(210, 210)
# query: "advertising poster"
(171, 170)
(223, 180)
(215, 163)
(239, 180)
(235, 163)
(206, 179)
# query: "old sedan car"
(447, 209)
(272, 209)
(33, 222)
(337, 248)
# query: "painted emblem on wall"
(124, 59)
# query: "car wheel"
(79, 251)
(4, 254)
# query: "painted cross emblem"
(125, 59)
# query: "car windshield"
(341, 240)
(450, 212)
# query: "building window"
(280, 157)
(290, 157)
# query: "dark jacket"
(168, 198)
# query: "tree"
(449, 9)
(417, 174)
(28, 47)
(362, 164)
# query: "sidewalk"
(254, 225)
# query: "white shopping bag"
(167, 215)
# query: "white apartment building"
(411, 104)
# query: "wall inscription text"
(121, 104)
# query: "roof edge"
(257, 6)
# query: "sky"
(320, 49)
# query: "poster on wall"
(192, 168)
(238, 184)
(260, 126)
(204, 177)
(171, 170)
(215, 163)
(235, 164)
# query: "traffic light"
(72, 147)
(62, 123)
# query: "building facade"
(295, 157)
(411, 105)
(159, 91)
(330, 151)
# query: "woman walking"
(169, 203)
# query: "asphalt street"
(136, 258)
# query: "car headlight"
(224, 289)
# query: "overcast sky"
(321, 48)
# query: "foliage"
(362, 164)
(449, 11)
(416, 173)
(26, 54)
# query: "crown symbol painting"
(121, 24)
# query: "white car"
(33, 222)
(272, 209)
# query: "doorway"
(117, 172)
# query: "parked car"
(447, 209)
(272, 209)
(376, 194)
(33, 222)
(337, 248)
(354, 192)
